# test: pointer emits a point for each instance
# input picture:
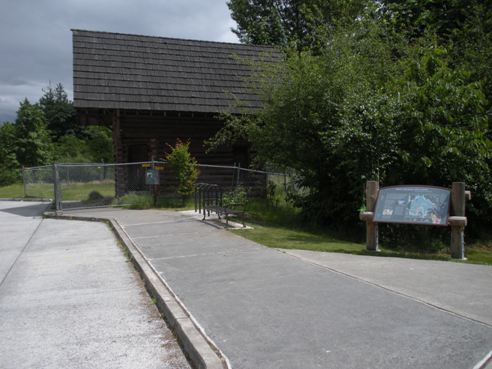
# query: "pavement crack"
(389, 289)
(20, 254)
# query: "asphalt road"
(70, 299)
(267, 309)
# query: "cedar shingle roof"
(121, 71)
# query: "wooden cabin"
(153, 90)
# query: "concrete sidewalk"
(460, 288)
(267, 309)
(70, 299)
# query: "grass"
(70, 191)
(288, 238)
(479, 254)
(146, 201)
(81, 191)
(15, 190)
(281, 227)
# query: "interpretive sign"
(152, 177)
(413, 204)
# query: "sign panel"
(152, 177)
(413, 204)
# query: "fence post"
(24, 184)
(372, 189)
(196, 199)
(238, 171)
(154, 186)
(56, 187)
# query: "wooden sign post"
(372, 237)
(458, 221)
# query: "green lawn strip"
(479, 254)
(296, 239)
(81, 191)
(269, 231)
(70, 191)
(288, 238)
(15, 190)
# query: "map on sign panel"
(413, 204)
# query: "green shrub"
(236, 197)
(136, 201)
(184, 166)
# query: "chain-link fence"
(38, 182)
(81, 185)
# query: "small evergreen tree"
(184, 166)
(59, 112)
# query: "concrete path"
(464, 289)
(267, 309)
(18, 221)
(69, 298)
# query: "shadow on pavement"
(28, 210)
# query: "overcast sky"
(36, 42)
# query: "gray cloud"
(36, 42)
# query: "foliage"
(370, 107)
(303, 24)
(94, 145)
(72, 149)
(136, 201)
(236, 197)
(47, 132)
(99, 142)
(415, 18)
(184, 166)
(96, 198)
(33, 144)
(463, 27)
(9, 165)
(59, 112)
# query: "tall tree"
(59, 111)
(416, 17)
(33, 146)
(300, 23)
(464, 27)
(9, 166)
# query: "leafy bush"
(136, 201)
(184, 166)
(236, 197)
(96, 198)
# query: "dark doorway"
(136, 173)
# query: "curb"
(199, 349)
(26, 199)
